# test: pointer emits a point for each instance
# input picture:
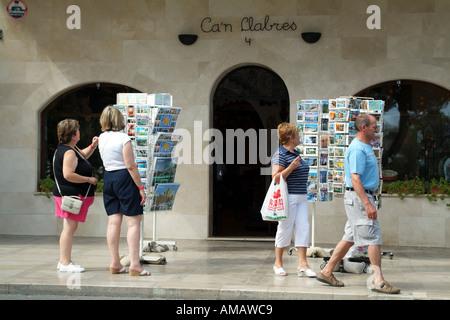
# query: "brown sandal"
(137, 273)
(331, 280)
(385, 287)
(117, 271)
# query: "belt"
(367, 191)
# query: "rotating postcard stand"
(150, 123)
(326, 128)
(161, 172)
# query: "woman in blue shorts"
(123, 191)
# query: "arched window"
(416, 133)
(85, 104)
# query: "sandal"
(137, 273)
(279, 271)
(117, 271)
(385, 287)
(331, 280)
(306, 273)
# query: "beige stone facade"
(135, 43)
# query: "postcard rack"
(326, 129)
(327, 126)
(150, 122)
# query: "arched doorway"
(416, 132)
(83, 103)
(247, 99)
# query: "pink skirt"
(81, 217)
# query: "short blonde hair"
(111, 119)
(285, 131)
(66, 129)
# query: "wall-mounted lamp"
(311, 37)
(187, 39)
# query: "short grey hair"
(362, 119)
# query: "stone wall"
(135, 43)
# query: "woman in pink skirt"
(74, 176)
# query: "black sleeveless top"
(84, 168)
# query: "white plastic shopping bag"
(275, 206)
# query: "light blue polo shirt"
(361, 159)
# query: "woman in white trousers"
(288, 163)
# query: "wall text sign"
(247, 24)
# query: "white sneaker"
(71, 267)
(60, 264)
(306, 273)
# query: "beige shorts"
(359, 228)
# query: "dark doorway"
(85, 104)
(249, 99)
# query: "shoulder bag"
(70, 204)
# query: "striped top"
(296, 181)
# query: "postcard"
(163, 170)
(312, 162)
(131, 129)
(323, 176)
(376, 106)
(311, 116)
(323, 142)
(323, 194)
(311, 105)
(355, 104)
(341, 115)
(310, 139)
(312, 175)
(324, 124)
(141, 153)
(340, 139)
(332, 104)
(340, 127)
(339, 163)
(142, 132)
(341, 103)
(311, 196)
(323, 159)
(311, 127)
(310, 151)
(141, 142)
(338, 188)
(353, 114)
(164, 196)
(325, 106)
(339, 151)
(159, 99)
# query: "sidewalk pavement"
(209, 269)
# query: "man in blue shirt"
(361, 180)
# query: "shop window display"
(416, 133)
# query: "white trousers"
(297, 221)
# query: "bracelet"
(141, 188)
(92, 147)
(88, 179)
